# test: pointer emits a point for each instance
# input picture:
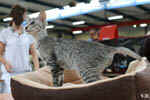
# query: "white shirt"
(17, 49)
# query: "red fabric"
(108, 32)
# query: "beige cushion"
(43, 76)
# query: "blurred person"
(93, 35)
(145, 49)
(15, 47)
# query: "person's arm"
(2, 60)
(34, 56)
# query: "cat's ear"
(42, 16)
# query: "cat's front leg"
(58, 77)
(57, 71)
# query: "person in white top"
(15, 47)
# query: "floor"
(6, 97)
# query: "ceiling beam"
(125, 15)
(60, 30)
(143, 8)
(10, 6)
(95, 17)
(62, 25)
(58, 6)
(5, 5)
(98, 18)
(3, 14)
(44, 3)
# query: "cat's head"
(36, 27)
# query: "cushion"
(38, 85)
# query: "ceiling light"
(143, 25)
(115, 17)
(134, 26)
(77, 32)
(7, 19)
(66, 7)
(50, 26)
(78, 23)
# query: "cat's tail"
(126, 51)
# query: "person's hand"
(8, 67)
(42, 16)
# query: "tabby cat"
(89, 59)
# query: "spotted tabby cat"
(89, 59)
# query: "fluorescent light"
(143, 25)
(50, 26)
(78, 23)
(77, 32)
(115, 17)
(7, 19)
(66, 7)
(134, 26)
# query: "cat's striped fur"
(89, 59)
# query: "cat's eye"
(32, 22)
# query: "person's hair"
(17, 14)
